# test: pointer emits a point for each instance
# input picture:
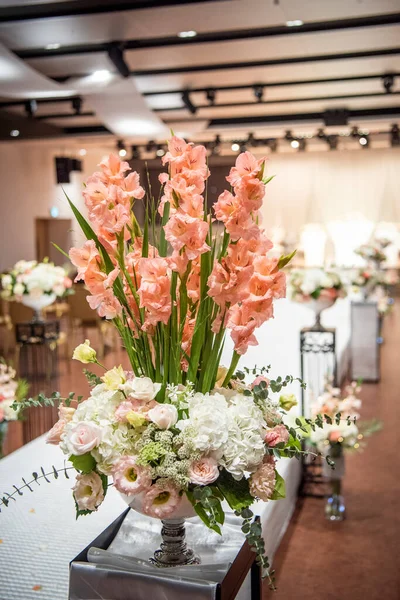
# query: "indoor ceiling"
(242, 66)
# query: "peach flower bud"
(88, 491)
(66, 412)
(55, 433)
(258, 380)
(277, 435)
(83, 438)
(163, 415)
(204, 471)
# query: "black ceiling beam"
(219, 36)
(251, 64)
(65, 115)
(248, 86)
(280, 101)
(86, 129)
(115, 53)
(392, 111)
(73, 8)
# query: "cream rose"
(84, 353)
(19, 289)
(204, 471)
(163, 415)
(66, 412)
(83, 438)
(88, 491)
(115, 378)
(142, 388)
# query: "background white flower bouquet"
(33, 279)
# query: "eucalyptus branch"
(43, 400)
(5, 500)
(253, 531)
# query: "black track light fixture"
(121, 149)
(258, 91)
(30, 107)
(135, 153)
(188, 103)
(395, 136)
(332, 141)
(211, 95)
(388, 83)
(77, 104)
(115, 51)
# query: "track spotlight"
(215, 145)
(295, 144)
(77, 105)
(243, 147)
(388, 83)
(332, 142)
(121, 148)
(395, 136)
(188, 103)
(115, 53)
(258, 91)
(30, 107)
(160, 150)
(363, 141)
(273, 145)
(321, 134)
(251, 140)
(288, 135)
(354, 132)
(135, 153)
(211, 95)
(151, 146)
(302, 144)
(235, 147)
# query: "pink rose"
(88, 491)
(55, 433)
(258, 380)
(277, 435)
(130, 478)
(161, 502)
(84, 437)
(204, 471)
(163, 415)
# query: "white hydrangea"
(207, 422)
(115, 442)
(244, 449)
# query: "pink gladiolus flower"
(246, 167)
(131, 185)
(277, 435)
(113, 169)
(161, 503)
(154, 290)
(183, 231)
(106, 304)
(228, 286)
(242, 329)
(82, 257)
(130, 478)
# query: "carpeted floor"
(358, 559)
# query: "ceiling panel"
(213, 16)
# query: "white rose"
(163, 415)
(83, 437)
(142, 388)
(19, 289)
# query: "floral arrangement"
(372, 252)
(338, 416)
(315, 284)
(179, 428)
(34, 279)
(11, 391)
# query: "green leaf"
(84, 463)
(92, 378)
(284, 260)
(61, 250)
(236, 493)
(280, 488)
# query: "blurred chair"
(81, 316)
(18, 313)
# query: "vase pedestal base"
(173, 550)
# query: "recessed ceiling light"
(295, 143)
(54, 46)
(101, 75)
(187, 34)
(82, 152)
(235, 147)
(14, 132)
(294, 23)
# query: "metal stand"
(365, 341)
(173, 550)
(37, 363)
(317, 361)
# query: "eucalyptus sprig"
(43, 400)
(18, 490)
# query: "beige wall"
(309, 187)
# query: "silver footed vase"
(173, 551)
